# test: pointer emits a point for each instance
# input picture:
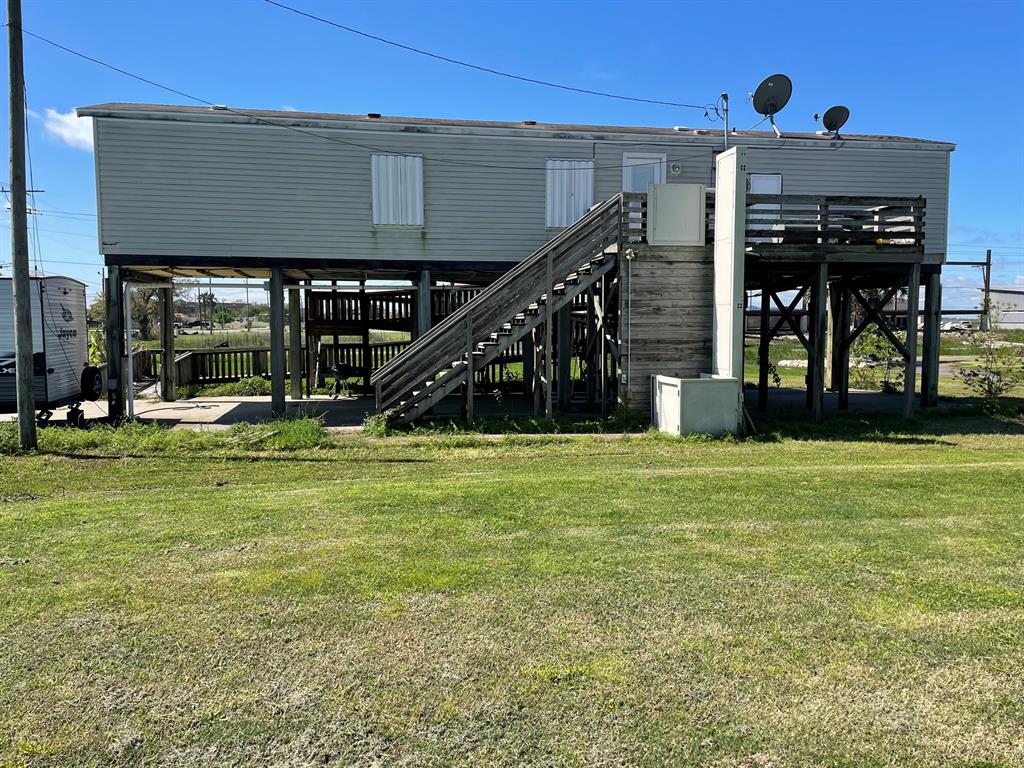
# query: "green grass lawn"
(803, 599)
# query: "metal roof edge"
(383, 124)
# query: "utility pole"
(986, 301)
(23, 353)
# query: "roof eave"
(483, 128)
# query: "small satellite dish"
(771, 97)
(835, 118)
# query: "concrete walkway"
(217, 413)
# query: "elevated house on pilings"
(526, 243)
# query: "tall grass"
(134, 438)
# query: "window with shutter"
(570, 191)
(397, 190)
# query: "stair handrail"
(565, 237)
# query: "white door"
(641, 169)
(764, 214)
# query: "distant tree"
(145, 311)
(223, 314)
(97, 310)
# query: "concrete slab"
(216, 413)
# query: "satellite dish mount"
(835, 118)
(771, 97)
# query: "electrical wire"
(384, 150)
(481, 68)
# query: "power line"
(66, 214)
(984, 246)
(59, 232)
(481, 68)
(264, 121)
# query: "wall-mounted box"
(676, 214)
(709, 405)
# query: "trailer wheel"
(92, 383)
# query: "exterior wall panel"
(191, 188)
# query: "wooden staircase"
(523, 299)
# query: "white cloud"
(68, 128)
(288, 108)
(1018, 281)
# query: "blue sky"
(950, 71)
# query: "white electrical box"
(676, 214)
(709, 405)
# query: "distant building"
(1008, 306)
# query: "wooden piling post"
(764, 344)
(423, 303)
(564, 347)
(548, 339)
(295, 343)
(841, 349)
(819, 331)
(592, 348)
(168, 370)
(364, 316)
(529, 358)
(114, 295)
(910, 371)
(469, 370)
(931, 346)
(277, 356)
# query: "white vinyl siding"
(397, 190)
(570, 191)
(180, 189)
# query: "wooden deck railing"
(342, 310)
(601, 227)
(222, 365)
(810, 225)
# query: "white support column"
(730, 250)
(730, 260)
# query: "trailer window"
(570, 191)
(397, 190)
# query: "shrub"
(251, 387)
(879, 356)
(998, 370)
(9, 443)
(378, 424)
(289, 435)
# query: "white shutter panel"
(570, 191)
(583, 187)
(397, 190)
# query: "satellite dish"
(771, 96)
(835, 118)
